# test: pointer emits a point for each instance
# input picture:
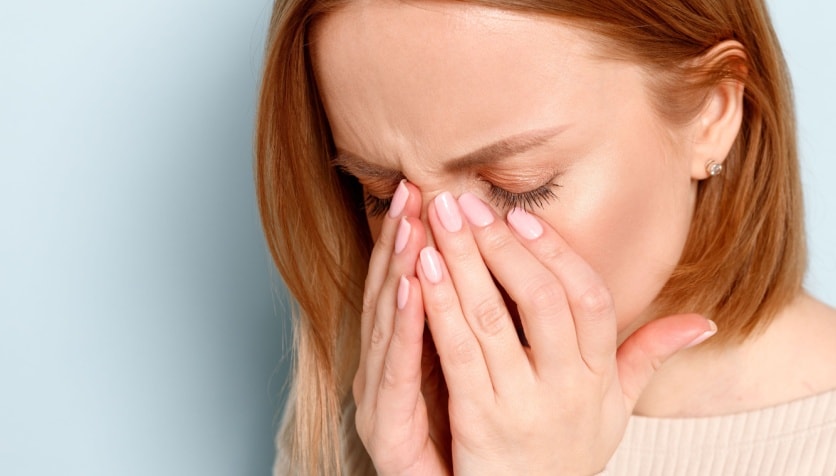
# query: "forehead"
(436, 79)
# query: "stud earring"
(713, 168)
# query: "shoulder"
(799, 350)
(793, 358)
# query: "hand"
(561, 405)
(400, 395)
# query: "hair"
(743, 261)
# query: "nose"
(429, 187)
(427, 198)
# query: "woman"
(569, 194)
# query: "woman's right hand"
(399, 427)
(560, 404)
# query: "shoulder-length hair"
(743, 261)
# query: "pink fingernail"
(398, 202)
(705, 335)
(448, 212)
(475, 210)
(403, 292)
(402, 237)
(431, 264)
(525, 224)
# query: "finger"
(641, 355)
(461, 357)
(434, 394)
(481, 302)
(589, 299)
(538, 294)
(409, 239)
(405, 202)
(399, 389)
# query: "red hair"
(743, 261)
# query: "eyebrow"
(491, 153)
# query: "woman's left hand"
(559, 406)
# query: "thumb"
(641, 355)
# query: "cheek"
(629, 218)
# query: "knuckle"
(497, 241)
(464, 350)
(491, 316)
(456, 251)
(369, 303)
(596, 300)
(388, 378)
(545, 294)
(553, 253)
(378, 335)
(440, 303)
(654, 361)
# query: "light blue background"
(139, 333)
(809, 40)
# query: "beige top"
(795, 438)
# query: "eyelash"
(537, 198)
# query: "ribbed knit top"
(795, 438)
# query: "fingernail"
(525, 224)
(431, 264)
(705, 335)
(398, 202)
(477, 213)
(448, 212)
(402, 237)
(403, 292)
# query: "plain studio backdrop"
(142, 329)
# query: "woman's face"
(464, 98)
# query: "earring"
(713, 168)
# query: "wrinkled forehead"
(451, 73)
(425, 67)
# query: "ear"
(718, 123)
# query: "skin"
(411, 88)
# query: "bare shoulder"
(802, 345)
(794, 358)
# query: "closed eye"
(500, 197)
(537, 198)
